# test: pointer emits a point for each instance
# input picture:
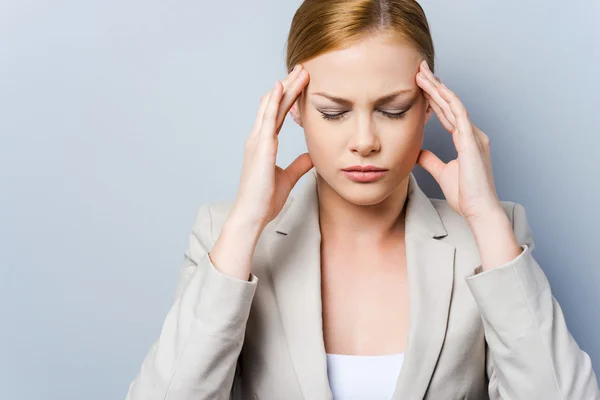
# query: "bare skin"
(363, 264)
(364, 294)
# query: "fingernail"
(424, 62)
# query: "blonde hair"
(320, 26)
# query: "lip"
(364, 168)
(364, 174)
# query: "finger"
(431, 163)
(424, 69)
(463, 124)
(289, 97)
(268, 121)
(292, 76)
(431, 84)
(432, 90)
(440, 114)
(259, 115)
(300, 166)
(264, 99)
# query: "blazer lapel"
(295, 268)
(295, 261)
(430, 272)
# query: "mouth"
(365, 168)
(364, 174)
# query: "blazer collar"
(305, 204)
(295, 263)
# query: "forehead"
(371, 66)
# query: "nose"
(364, 140)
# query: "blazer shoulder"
(451, 218)
(460, 234)
(211, 216)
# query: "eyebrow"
(382, 100)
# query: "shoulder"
(451, 218)
(211, 216)
(459, 232)
(209, 219)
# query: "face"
(363, 107)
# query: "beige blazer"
(497, 334)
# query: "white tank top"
(363, 377)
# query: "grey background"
(118, 119)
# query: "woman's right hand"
(264, 186)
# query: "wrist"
(494, 217)
(244, 222)
(495, 239)
(234, 248)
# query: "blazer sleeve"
(197, 352)
(530, 352)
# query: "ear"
(296, 113)
(428, 111)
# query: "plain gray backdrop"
(119, 118)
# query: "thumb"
(431, 163)
(300, 166)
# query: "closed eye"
(331, 117)
(337, 116)
(394, 115)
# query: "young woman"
(359, 286)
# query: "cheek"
(323, 142)
(320, 140)
(406, 130)
(402, 140)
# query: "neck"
(372, 223)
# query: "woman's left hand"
(467, 181)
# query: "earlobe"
(296, 114)
(428, 111)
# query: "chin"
(362, 194)
(367, 195)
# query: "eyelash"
(333, 117)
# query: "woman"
(368, 289)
